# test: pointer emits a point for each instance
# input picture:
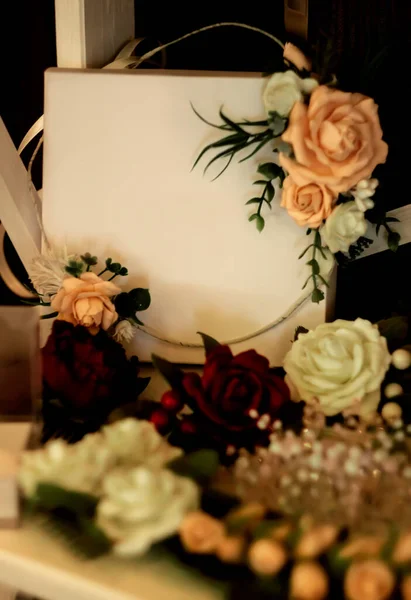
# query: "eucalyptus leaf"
(270, 170)
(300, 329)
(171, 373)
(393, 240)
(254, 201)
(315, 267)
(317, 296)
(253, 217)
(270, 191)
(209, 342)
(200, 466)
(260, 223)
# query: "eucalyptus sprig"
(239, 138)
(271, 171)
(316, 277)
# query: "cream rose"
(369, 580)
(200, 533)
(337, 139)
(340, 365)
(142, 506)
(309, 204)
(343, 227)
(85, 301)
(78, 467)
(283, 90)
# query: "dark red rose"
(233, 394)
(86, 376)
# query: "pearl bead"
(391, 411)
(401, 359)
(392, 390)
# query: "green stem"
(102, 272)
(112, 277)
(49, 316)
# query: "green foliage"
(171, 372)
(277, 123)
(271, 171)
(300, 329)
(115, 268)
(89, 260)
(50, 496)
(200, 466)
(209, 342)
(316, 277)
(395, 330)
(75, 268)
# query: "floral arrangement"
(329, 142)
(86, 373)
(290, 489)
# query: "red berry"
(172, 402)
(161, 420)
(188, 427)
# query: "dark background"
(373, 287)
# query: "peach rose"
(200, 533)
(369, 580)
(337, 140)
(307, 204)
(85, 301)
(295, 56)
(266, 557)
(308, 581)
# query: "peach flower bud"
(295, 56)
(266, 557)
(308, 581)
(200, 533)
(369, 580)
(336, 139)
(316, 541)
(85, 301)
(309, 204)
(365, 546)
(402, 550)
(406, 588)
(230, 549)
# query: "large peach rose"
(308, 204)
(336, 139)
(85, 301)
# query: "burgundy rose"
(85, 377)
(236, 400)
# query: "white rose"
(340, 365)
(283, 90)
(77, 467)
(134, 442)
(142, 506)
(343, 227)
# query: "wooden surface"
(89, 33)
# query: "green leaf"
(209, 342)
(391, 220)
(393, 240)
(234, 126)
(200, 465)
(277, 123)
(50, 496)
(253, 217)
(90, 260)
(305, 251)
(98, 540)
(49, 316)
(114, 268)
(270, 191)
(141, 298)
(315, 267)
(123, 271)
(254, 201)
(270, 170)
(108, 262)
(136, 320)
(317, 296)
(300, 329)
(260, 182)
(171, 373)
(260, 223)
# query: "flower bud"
(266, 557)
(308, 581)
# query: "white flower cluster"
(124, 465)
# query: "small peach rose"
(369, 580)
(406, 588)
(230, 549)
(295, 56)
(336, 139)
(402, 550)
(85, 301)
(367, 545)
(200, 533)
(266, 557)
(308, 204)
(308, 581)
(316, 541)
